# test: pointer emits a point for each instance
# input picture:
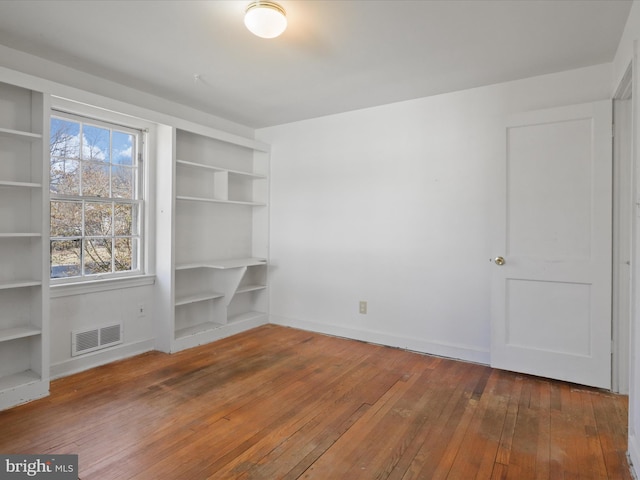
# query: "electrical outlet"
(363, 307)
(141, 310)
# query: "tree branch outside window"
(95, 201)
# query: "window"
(96, 198)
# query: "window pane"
(66, 219)
(64, 138)
(65, 258)
(126, 255)
(95, 179)
(97, 256)
(97, 219)
(95, 144)
(123, 220)
(122, 148)
(64, 177)
(123, 182)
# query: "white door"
(551, 298)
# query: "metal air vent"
(85, 341)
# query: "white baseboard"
(101, 357)
(12, 397)
(456, 351)
(219, 333)
(119, 352)
(634, 455)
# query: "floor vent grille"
(86, 341)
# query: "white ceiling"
(335, 55)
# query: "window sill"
(95, 286)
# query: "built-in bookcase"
(213, 204)
(24, 233)
(211, 238)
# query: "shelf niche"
(24, 274)
(217, 218)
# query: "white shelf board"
(5, 183)
(243, 317)
(250, 288)
(19, 235)
(14, 333)
(213, 200)
(19, 284)
(197, 297)
(224, 264)
(196, 329)
(187, 163)
(18, 380)
(20, 134)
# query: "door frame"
(623, 188)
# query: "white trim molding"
(93, 286)
(634, 455)
(454, 351)
(102, 357)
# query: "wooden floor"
(279, 403)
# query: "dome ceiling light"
(265, 19)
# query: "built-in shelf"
(247, 316)
(18, 332)
(250, 288)
(213, 200)
(224, 264)
(218, 169)
(24, 271)
(20, 235)
(4, 183)
(20, 379)
(196, 329)
(217, 217)
(20, 134)
(197, 297)
(19, 284)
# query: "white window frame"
(105, 281)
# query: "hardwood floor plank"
(289, 465)
(610, 424)
(329, 417)
(543, 407)
(279, 403)
(338, 400)
(442, 383)
(347, 454)
(399, 428)
(240, 415)
(595, 458)
(499, 472)
(506, 439)
(435, 447)
(501, 424)
(478, 451)
(522, 461)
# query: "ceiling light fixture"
(265, 19)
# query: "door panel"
(551, 305)
(549, 181)
(537, 311)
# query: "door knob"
(499, 261)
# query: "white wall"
(393, 205)
(625, 55)
(91, 310)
